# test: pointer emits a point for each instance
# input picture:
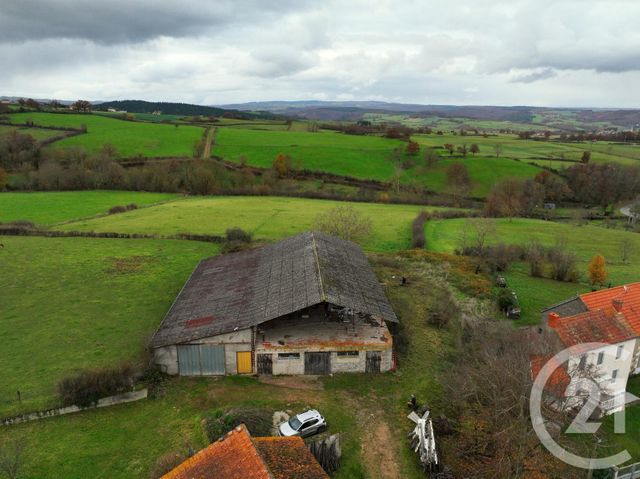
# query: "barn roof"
(239, 290)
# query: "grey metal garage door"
(201, 360)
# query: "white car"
(303, 425)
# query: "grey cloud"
(128, 21)
(533, 76)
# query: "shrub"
(506, 299)
(131, 206)
(117, 209)
(166, 463)
(417, 230)
(86, 388)
(344, 222)
(259, 422)
(444, 308)
(238, 234)
(563, 264)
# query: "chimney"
(554, 320)
(617, 305)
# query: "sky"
(569, 53)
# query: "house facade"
(310, 304)
(609, 317)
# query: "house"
(611, 318)
(239, 456)
(310, 304)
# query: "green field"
(536, 293)
(130, 138)
(365, 157)
(47, 208)
(38, 133)
(268, 218)
(74, 303)
(484, 172)
(536, 150)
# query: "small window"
(288, 355)
(614, 375)
(600, 357)
(619, 352)
(345, 354)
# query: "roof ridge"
(323, 294)
(577, 296)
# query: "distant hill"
(563, 118)
(185, 109)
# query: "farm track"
(208, 140)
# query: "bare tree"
(497, 148)
(344, 222)
(12, 458)
(627, 248)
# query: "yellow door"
(243, 359)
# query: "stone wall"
(104, 402)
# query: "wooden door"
(265, 364)
(243, 361)
(374, 358)
(317, 363)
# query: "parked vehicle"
(306, 424)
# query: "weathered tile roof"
(594, 327)
(629, 297)
(568, 307)
(234, 456)
(289, 457)
(239, 290)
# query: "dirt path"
(206, 151)
(379, 448)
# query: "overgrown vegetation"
(86, 388)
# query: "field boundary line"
(102, 215)
(61, 411)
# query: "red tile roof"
(594, 327)
(234, 456)
(629, 294)
(239, 456)
(289, 457)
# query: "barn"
(310, 304)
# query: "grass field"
(38, 133)
(536, 150)
(365, 157)
(484, 172)
(47, 208)
(73, 303)
(130, 138)
(536, 293)
(268, 218)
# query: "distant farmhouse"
(612, 317)
(310, 304)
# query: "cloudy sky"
(492, 52)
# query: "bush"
(238, 234)
(165, 463)
(417, 230)
(259, 422)
(444, 308)
(506, 300)
(117, 209)
(86, 388)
